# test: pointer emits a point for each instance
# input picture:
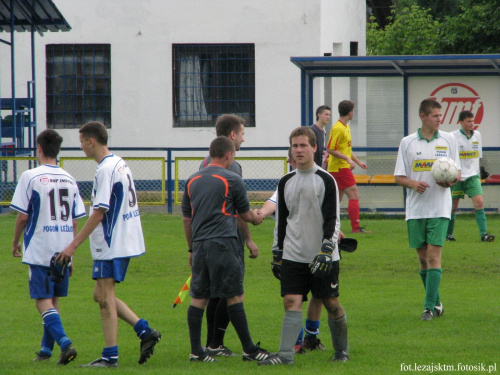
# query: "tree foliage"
(413, 31)
(416, 29)
(474, 30)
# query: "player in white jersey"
(428, 203)
(470, 151)
(120, 233)
(48, 203)
(115, 232)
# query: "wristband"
(190, 250)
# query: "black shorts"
(217, 269)
(296, 278)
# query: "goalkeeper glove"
(57, 270)
(322, 263)
(483, 174)
(276, 263)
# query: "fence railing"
(375, 194)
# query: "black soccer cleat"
(101, 362)
(67, 355)
(340, 357)
(148, 345)
(360, 230)
(259, 354)
(220, 351)
(313, 344)
(450, 238)
(427, 315)
(275, 359)
(488, 237)
(439, 310)
(205, 357)
(41, 356)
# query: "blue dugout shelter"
(389, 66)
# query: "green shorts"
(471, 187)
(427, 231)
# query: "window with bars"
(210, 80)
(78, 84)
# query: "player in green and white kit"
(428, 203)
(470, 149)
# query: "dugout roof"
(31, 15)
(388, 66)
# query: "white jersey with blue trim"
(273, 199)
(119, 235)
(50, 197)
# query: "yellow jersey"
(340, 140)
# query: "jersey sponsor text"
(422, 165)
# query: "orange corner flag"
(183, 293)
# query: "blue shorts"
(41, 286)
(110, 269)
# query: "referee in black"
(212, 199)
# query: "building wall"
(141, 33)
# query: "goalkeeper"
(307, 230)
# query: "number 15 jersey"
(50, 197)
(119, 234)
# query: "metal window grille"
(78, 84)
(210, 80)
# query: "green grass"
(380, 288)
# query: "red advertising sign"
(455, 98)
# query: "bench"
(390, 180)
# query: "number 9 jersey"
(119, 235)
(51, 199)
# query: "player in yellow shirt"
(341, 162)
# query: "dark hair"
(225, 124)
(320, 110)
(465, 115)
(304, 130)
(428, 105)
(220, 146)
(50, 141)
(96, 130)
(345, 106)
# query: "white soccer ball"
(444, 169)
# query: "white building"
(158, 72)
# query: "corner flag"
(183, 293)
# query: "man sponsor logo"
(468, 154)
(422, 165)
(440, 148)
(455, 98)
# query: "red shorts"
(344, 178)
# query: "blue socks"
(142, 328)
(53, 326)
(110, 354)
(312, 328)
(300, 338)
(47, 341)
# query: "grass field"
(380, 288)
